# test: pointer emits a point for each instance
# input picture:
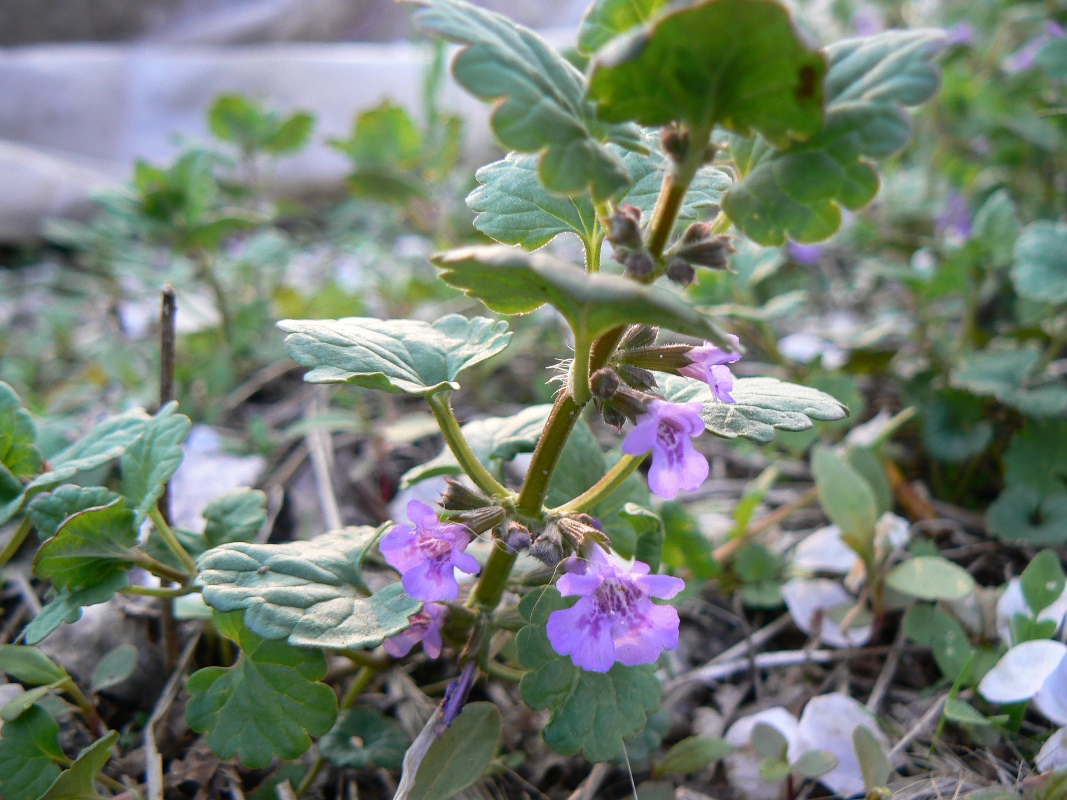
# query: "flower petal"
(421, 514)
(427, 581)
(583, 634)
(646, 634)
(1051, 698)
(465, 562)
(641, 439)
(1022, 671)
(572, 584)
(663, 586)
(398, 548)
(827, 724)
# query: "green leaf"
(29, 755)
(677, 68)
(78, 782)
(385, 136)
(818, 762)
(153, 459)
(461, 755)
(1022, 514)
(513, 207)
(796, 191)
(18, 436)
(491, 439)
(1040, 268)
(364, 737)
(996, 227)
(930, 578)
(538, 96)
(236, 118)
(1005, 371)
(291, 135)
(104, 443)
(874, 764)
(1042, 581)
(393, 355)
(1037, 457)
(846, 497)
(268, 704)
(867, 464)
(22, 703)
(66, 605)
(581, 464)
(685, 547)
(311, 593)
(955, 427)
(514, 282)
(693, 754)
(762, 405)
(115, 667)
(963, 713)
(650, 534)
(606, 19)
(937, 629)
(29, 665)
(769, 742)
(590, 711)
(51, 509)
(1053, 57)
(89, 547)
(235, 516)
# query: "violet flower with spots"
(616, 620)
(427, 555)
(709, 365)
(425, 627)
(667, 430)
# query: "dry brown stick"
(588, 788)
(726, 551)
(889, 671)
(320, 448)
(931, 714)
(916, 506)
(168, 313)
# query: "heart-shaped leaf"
(955, 426)
(364, 737)
(593, 712)
(736, 63)
(762, 405)
(1006, 370)
(513, 282)
(1037, 457)
(1023, 514)
(270, 703)
(796, 190)
(89, 547)
(407, 356)
(311, 593)
(538, 96)
(1040, 268)
(153, 459)
(29, 755)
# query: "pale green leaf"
(763, 77)
(818, 762)
(996, 227)
(955, 427)
(269, 704)
(461, 755)
(235, 516)
(311, 593)
(762, 405)
(930, 578)
(1005, 370)
(407, 356)
(513, 282)
(1042, 581)
(384, 136)
(29, 755)
(606, 19)
(29, 665)
(846, 497)
(692, 754)
(115, 667)
(797, 190)
(66, 605)
(1040, 268)
(153, 459)
(874, 764)
(538, 96)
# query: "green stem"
(16, 540)
(495, 669)
(494, 580)
(441, 407)
(172, 541)
(579, 387)
(561, 421)
(675, 186)
(145, 561)
(87, 709)
(153, 591)
(593, 246)
(614, 478)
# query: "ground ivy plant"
(671, 148)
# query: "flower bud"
(624, 228)
(458, 497)
(701, 248)
(680, 271)
(548, 546)
(639, 264)
(637, 378)
(604, 383)
(630, 402)
(613, 417)
(577, 530)
(516, 537)
(675, 142)
(639, 336)
(665, 358)
(480, 520)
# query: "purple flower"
(807, 255)
(961, 33)
(1026, 56)
(708, 366)
(666, 430)
(427, 555)
(616, 619)
(425, 627)
(954, 221)
(867, 21)
(456, 695)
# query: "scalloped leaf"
(1005, 370)
(538, 96)
(591, 712)
(66, 605)
(30, 755)
(1023, 514)
(511, 281)
(797, 191)
(606, 19)
(679, 67)
(763, 405)
(89, 547)
(406, 356)
(513, 207)
(270, 703)
(153, 459)
(311, 593)
(50, 510)
(20, 457)
(1040, 268)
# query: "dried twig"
(889, 671)
(320, 448)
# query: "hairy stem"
(614, 478)
(145, 561)
(441, 407)
(579, 387)
(172, 541)
(560, 423)
(494, 579)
